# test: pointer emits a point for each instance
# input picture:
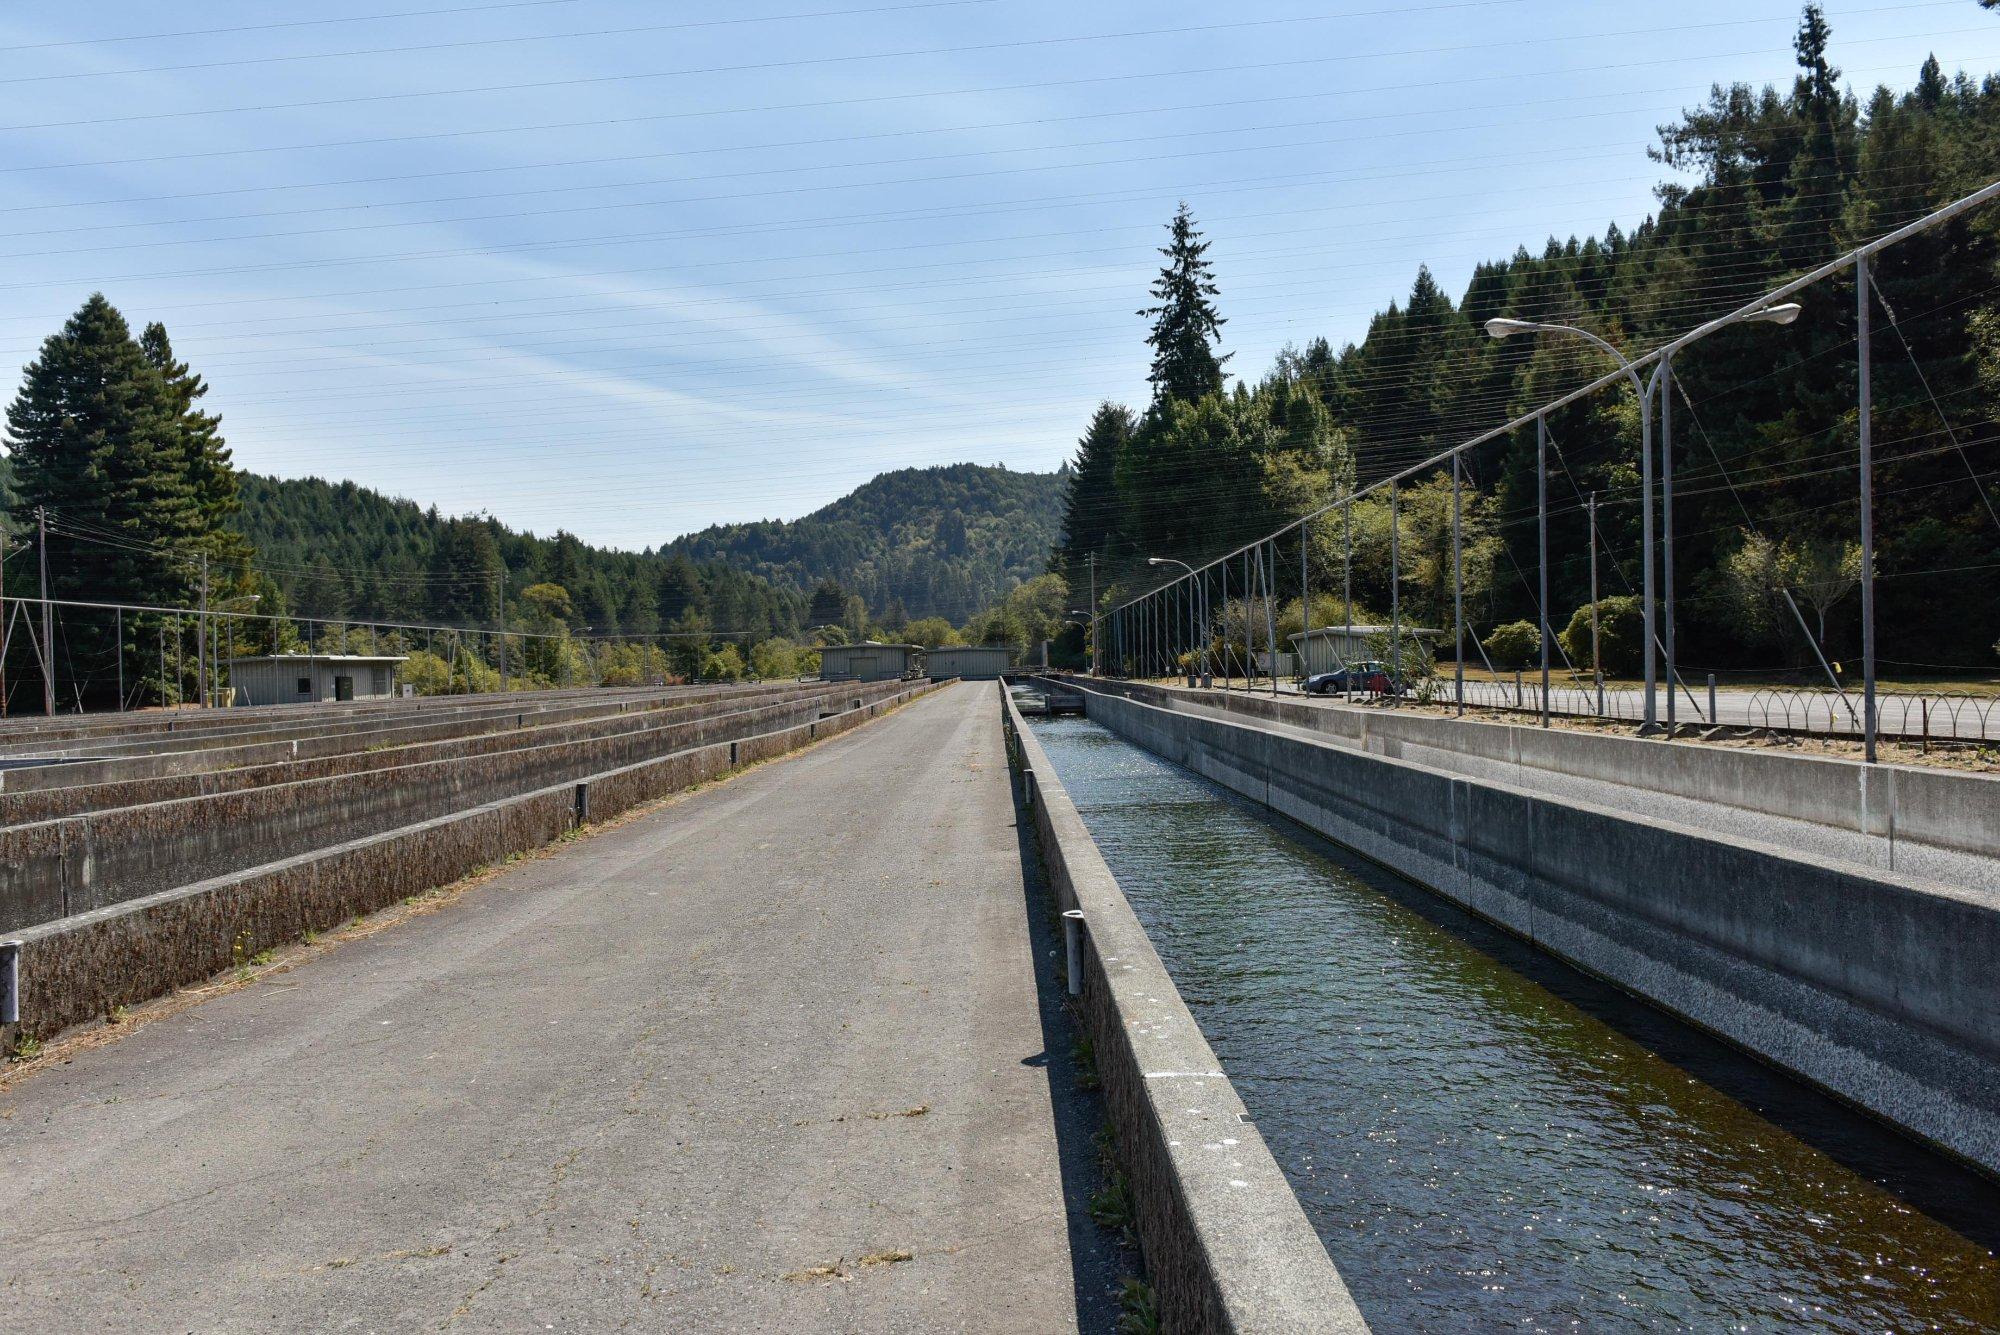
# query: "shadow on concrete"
(1097, 1259)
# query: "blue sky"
(629, 269)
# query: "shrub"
(1621, 633)
(1516, 644)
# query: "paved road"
(658, 1080)
(1961, 717)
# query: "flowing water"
(1487, 1139)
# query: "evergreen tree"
(828, 606)
(205, 455)
(1091, 504)
(97, 439)
(1186, 327)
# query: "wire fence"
(72, 656)
(1916, 716)
(1222, 616)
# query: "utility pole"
(6, 622)
(1096, 655)
(48, 645)
(500, 615)
(1596, 657)
(201, 637)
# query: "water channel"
(1487, 1139)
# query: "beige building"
(285, 679)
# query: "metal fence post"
(1347, 590)
(1867, 444)
(1542, 551)
(1395, 586)
(1305, 598)
(1457, 590)
(1596, 650)
(1665, 376)
(1271, 613)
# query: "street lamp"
(1200, 596)
(1783, 313)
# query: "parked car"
(1367, 678)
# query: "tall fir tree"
(205, 457)
(1186, 327)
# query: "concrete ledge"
(1876, 987)
(1227, 1245)
(79, 968)
(1903, 804)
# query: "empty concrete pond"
(1487, 1139)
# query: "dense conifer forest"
(1765, 184)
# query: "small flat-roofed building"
(868, 661)
(1330, 648)
(286, 679)
(971, 662)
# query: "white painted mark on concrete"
(1183, 1075)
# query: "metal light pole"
(1502, 327)
(1202, 652)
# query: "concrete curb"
(1903, 804)
(1227, 1245)
(80, 968)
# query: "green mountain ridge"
(946, 541)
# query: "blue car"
(1366, 678)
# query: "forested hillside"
(341, 549)
(1767, 185)
(918, 542)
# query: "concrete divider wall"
(77, 969)
(102, 858)
(229, 749)
(1880, 989)
(1952, 809)
(18, 808)
(1227, 1245)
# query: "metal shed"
(972, 662)
(284, 679)
(1329, 648)
(868, 661)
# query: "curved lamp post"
(1504, 327)
(1199, 596)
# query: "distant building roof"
(319, 658)
(1318, 631)
(874, 644)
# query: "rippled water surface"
(1486, 1139)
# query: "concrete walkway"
(768, 1059)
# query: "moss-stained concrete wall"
(106, 857)
(79, 968)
